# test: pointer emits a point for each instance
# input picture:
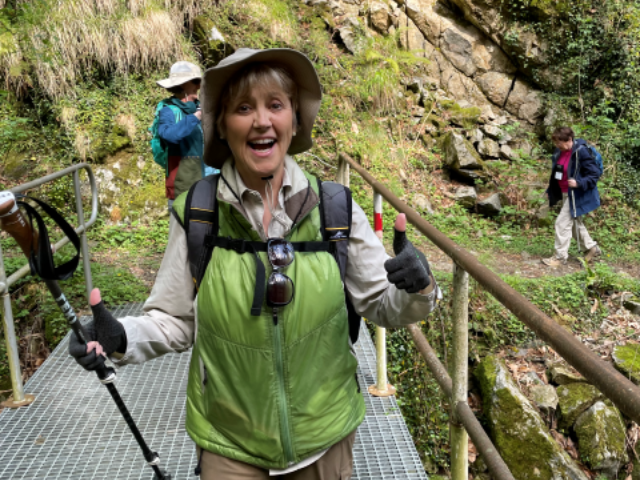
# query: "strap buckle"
(238, 245)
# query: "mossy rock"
(627, 359)
(601, 439)
(544, 9)
(110, 144)
(127, 183)
(15, 165)
(465, 117)
(460, 156)
(210, 42)
(574, 399)
(437, 121)
(518, 432)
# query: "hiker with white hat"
(177, 140)
(264, 273)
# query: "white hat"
(181, 73)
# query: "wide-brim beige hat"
(216, 150)
(181, 73)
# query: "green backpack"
(159, 147)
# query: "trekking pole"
(13, 222)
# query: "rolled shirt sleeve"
(371, 293)
(169, 321)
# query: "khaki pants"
(566, 228)
(336, 464)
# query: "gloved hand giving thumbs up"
(409, 270)
(106, 335)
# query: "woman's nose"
(262, 118)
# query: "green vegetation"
(83, 89)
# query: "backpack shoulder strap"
(200, 222)
(179, 114)
(336, 205)
(335, 217)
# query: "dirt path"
(523, 265)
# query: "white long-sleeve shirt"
(169, 322)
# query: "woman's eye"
(244, 108)
(276, 106)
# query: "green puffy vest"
(265, 394)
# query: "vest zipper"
(282, 403)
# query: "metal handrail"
(609, 381)
(19, 398)
(624, 394)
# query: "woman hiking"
(574, 181)
(272, 391)
(179, 125)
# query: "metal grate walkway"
(74, 431)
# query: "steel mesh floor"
(74, 431)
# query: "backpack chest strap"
(241, 245)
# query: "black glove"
(409, 270)
(110, 332)
(89, 361)
(104, 329)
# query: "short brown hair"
(252, 75)
(563, 134)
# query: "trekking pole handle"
(13, 222)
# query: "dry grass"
(79, 35)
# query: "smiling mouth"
(262, 145)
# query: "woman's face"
(564, 146)
(190, 90)
(259, 129)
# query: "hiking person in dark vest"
(179, 124)
(574, 181)
(272, 385)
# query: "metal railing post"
(382, 388)
(459, 373)
(86, 260)
(19, 398)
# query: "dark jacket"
(583, 168)
(186, 146)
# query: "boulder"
(544, 397)
(489, 148)
(507, 152)
(350, 40)
(543, 216)
(461, 157)
(466, 196)
(380, 18)
(490, 206)
(601, 439)
(475, 136)
(574, 399)
(523, 101)
(627, 359)
(561, 375)
(518, 432)
(493, 132)
(471, 52)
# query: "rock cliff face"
(465, 43)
